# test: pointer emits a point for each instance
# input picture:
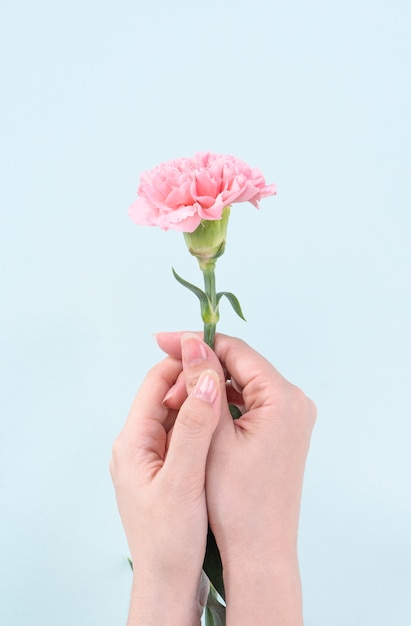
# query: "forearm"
(152, 603)
(264, 594)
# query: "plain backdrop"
(317, 95)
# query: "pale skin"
(181, 460)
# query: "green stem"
(212, 561)
(210, 290)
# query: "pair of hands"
(181, 461)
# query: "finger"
(260, 383)
(170, 342)
(193, 430)
(176, 395)
(148, 414)
(236, 386)
(196, 357)
(241, 361)
(252, 373)
(233, 396)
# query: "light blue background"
(317, 95)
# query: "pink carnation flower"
(179, 194)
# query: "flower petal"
(180, 193)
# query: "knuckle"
(302, 409)
(116, 449)
(119, 454)
(312, 410)
(263, 391)
(114, 459)
(111, 467)
(192, 419)
(192, 374)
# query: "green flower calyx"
(207, 242)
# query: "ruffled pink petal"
(204, 184)
(142, 213)
(180, 196)
(180, 193)
(268, 190)
(212, 212)
(185, 219)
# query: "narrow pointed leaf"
(215, 615)
(205, 303)
(212, 564)
(215, 612)
(233, 300)
(196, 290)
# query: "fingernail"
(236, 385)
(193, 349)
(168, 395)
(207, 386)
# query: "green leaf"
(212, 564)
(196, 290)
(130, 562)
(233, 301)
(234, 411)
(205, 304)
(215, 616)
(214, 611)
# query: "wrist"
(155, 602)
(264, 590)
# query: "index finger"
(250, 370)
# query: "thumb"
(193, 429)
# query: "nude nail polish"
(207, 386)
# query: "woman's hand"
(158, 469)
(254, 476)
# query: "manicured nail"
(193, 349)
(169, 394)
(207, 386)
